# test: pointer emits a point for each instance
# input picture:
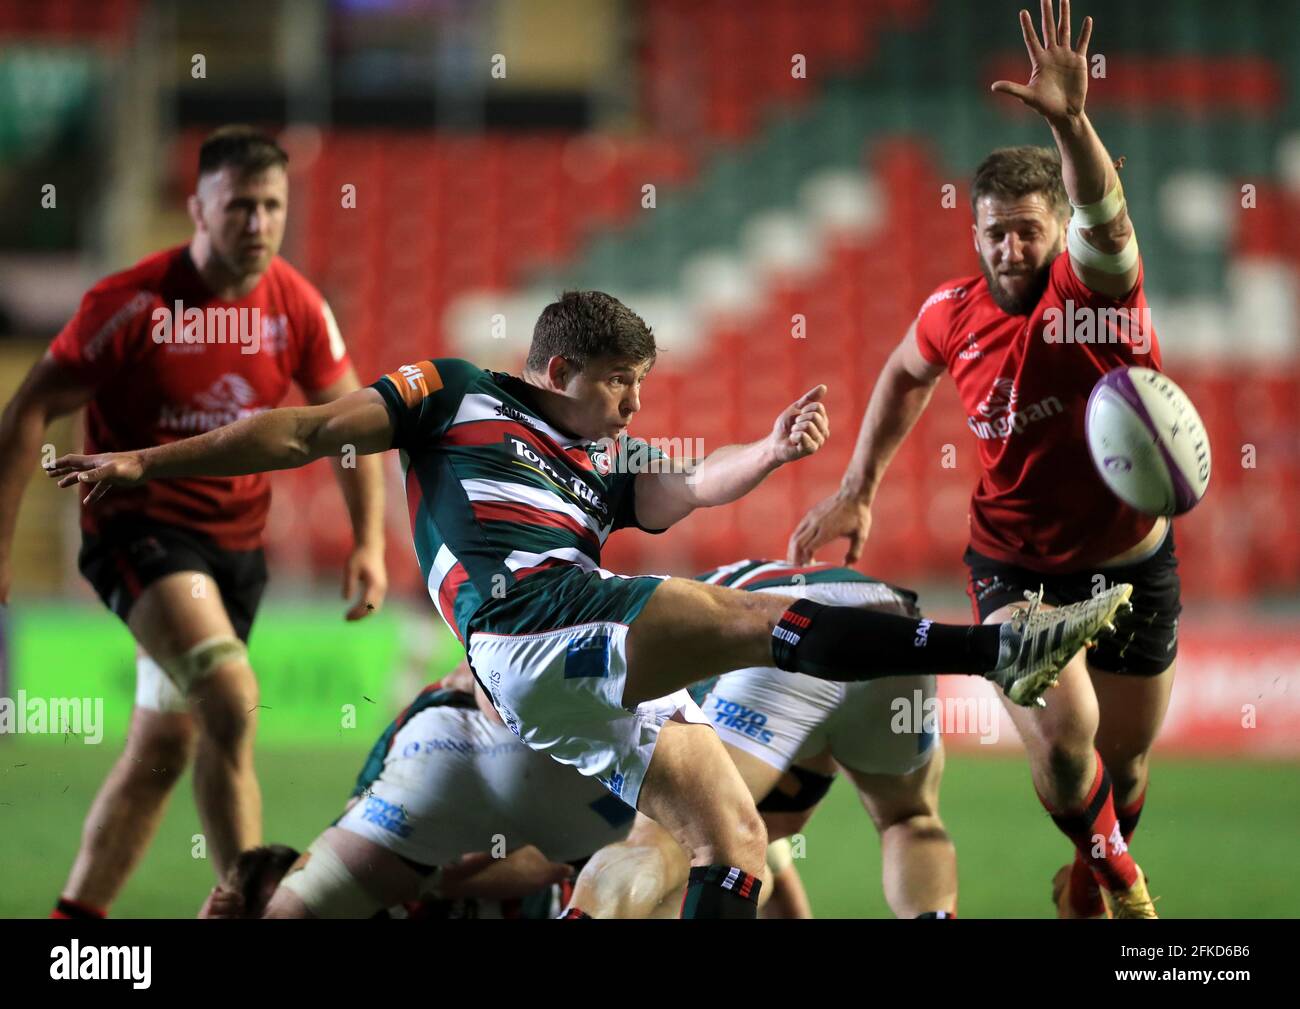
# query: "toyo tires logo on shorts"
(386, 815)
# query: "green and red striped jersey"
(495, 492)
(753, 575)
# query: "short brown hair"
(253, 867)
(244, 148)
(586, 324)
(1013, 172)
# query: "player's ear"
(195, 207)
(975, 238)
(559, 371)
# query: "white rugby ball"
(1148, 442)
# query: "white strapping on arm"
(1091, 215)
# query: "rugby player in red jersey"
(513, 486)
(185, 341)
(1015, 342)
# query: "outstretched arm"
(362, 482)
(276, 439)
(1057, 90)
(50, 390)
(734, 470)
(900, 397)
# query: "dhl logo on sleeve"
(415, 381)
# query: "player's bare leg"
(226, 791)
(1132, 710)
(787, 823)
(1073, 784)
(918, 859)
(130, 804)
(694, 792)
(642, 876)
(1059, 737)
(785, 897)
(789, 900)
(759, 776)
(170, 618)
(689, 630)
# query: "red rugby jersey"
(1025, 381)
(153, 387)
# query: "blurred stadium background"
(724, 167)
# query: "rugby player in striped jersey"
(513, 485)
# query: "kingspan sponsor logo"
(1000, 414)
(228, 399)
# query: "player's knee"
(1069, 761)
(225, 705)
(900, 810)
(212, 657)
(921, 827)
(1128, 775)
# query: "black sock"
(720, 891)
(848, 644)
(574, 913)
(75, 909)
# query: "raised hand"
(1058, 77)
(802, 428)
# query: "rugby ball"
(1147, 441)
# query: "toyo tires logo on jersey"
(999, 414)
(570, 482)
